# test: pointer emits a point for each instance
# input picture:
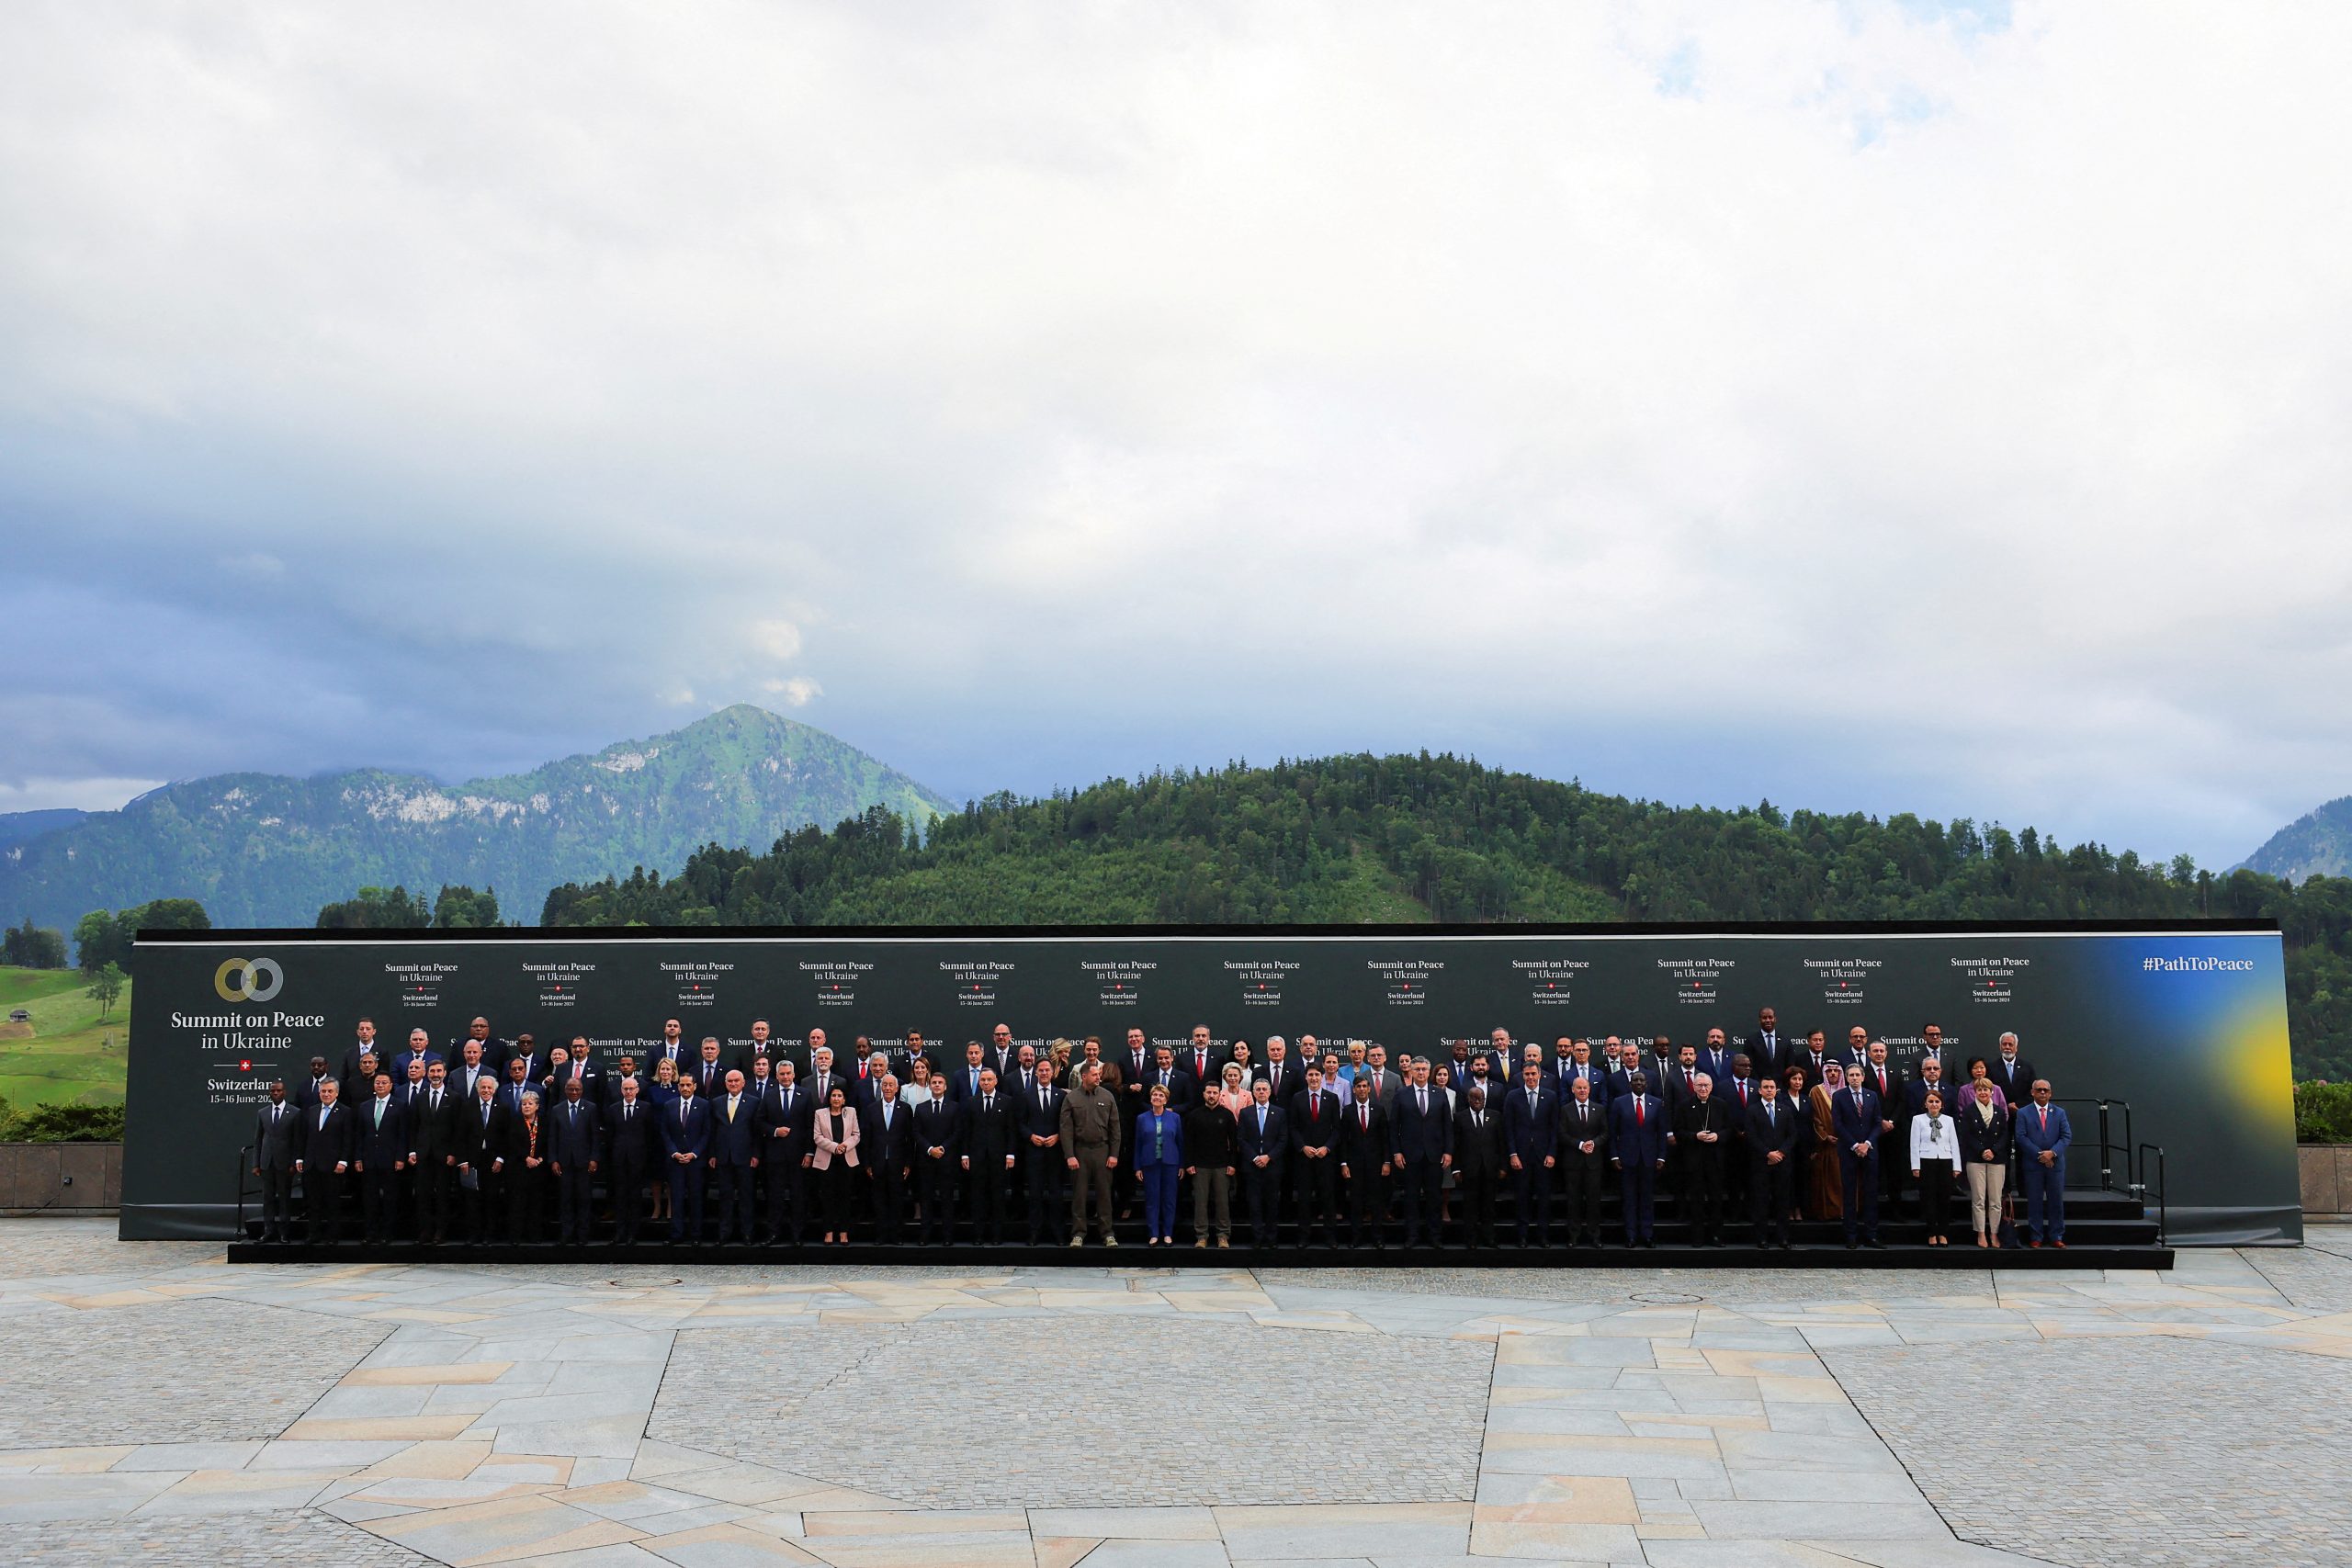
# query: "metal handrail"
(2141, 1188)
(2108, 1146)
(244, 1167)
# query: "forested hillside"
(1409, 838)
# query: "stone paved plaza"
(164, 1407)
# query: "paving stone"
(2159, 1451)
(307, 1539)
(193, 1371)
(968, 1415)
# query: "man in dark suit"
(1181, 1089)
(2011, 1072)
(1677, 1091)
(786, 1115)
(1582, 1065)
(1204, 1058)
(481, 1135)
(708, 1072)
(1715, 1057)
(939, 1153)
(1702, 1131)
(1815, 1055)
(673, 1048)
(1771, 1143)
(964, 1083)
(1637, 1127)
(1038, 1115)
(493, 1049)
(987, 1160)
(684, 1128)
(1855, 1117)
(1885, 1081)
(733, 1158)
(914, 1049)
(363, 1044)
(574, 1147)
(433, 1154)
(1363, 1154)
(1264, 1130)
(524, 1170)
(1620, 1072)
(1949, 1066)
(865, 1072)
(1314, 1139)
(360, 1084)
(1281, 1074)
(276, 1134)
(524, 1070)
(1477, 1163)
(306, 1088)
(628, 1154)
(379, 1153)
(580, 1063)
(468, 1069)
(1000, 1053)
(762, 1043)
(1737, 1092)
(322, 1159)
(1856, 1049)
(1420, 1141)
(1532, 1145)
(1584, 1150)
(889, 1152)
(419, 1049)
(1767, 1052)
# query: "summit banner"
(2185, 1025)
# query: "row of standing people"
(1714, 1147)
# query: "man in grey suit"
(275, 1135)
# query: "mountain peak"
(263, 848)
(2318, 843)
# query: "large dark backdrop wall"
(2187, 1024)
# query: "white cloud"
(776, 639)
(1892, 411)
(796, 691)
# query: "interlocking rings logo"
(248, 979)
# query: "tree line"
(1442, 838)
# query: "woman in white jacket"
(1935, 1162)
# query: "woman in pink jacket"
(835, 1162)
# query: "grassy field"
(68, 1056)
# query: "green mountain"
(1364, 838)
(261, 848)
(2318, 843)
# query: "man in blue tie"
(1265, 1138)
(1854, 1117)
(785, 1114)
(685, 1143)
(1532, 1141)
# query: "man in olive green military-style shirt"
(1091, 1136)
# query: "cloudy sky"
(1868, 405)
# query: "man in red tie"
(1314, 1130)
(1893, 1160)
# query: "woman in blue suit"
(1160, 1156)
